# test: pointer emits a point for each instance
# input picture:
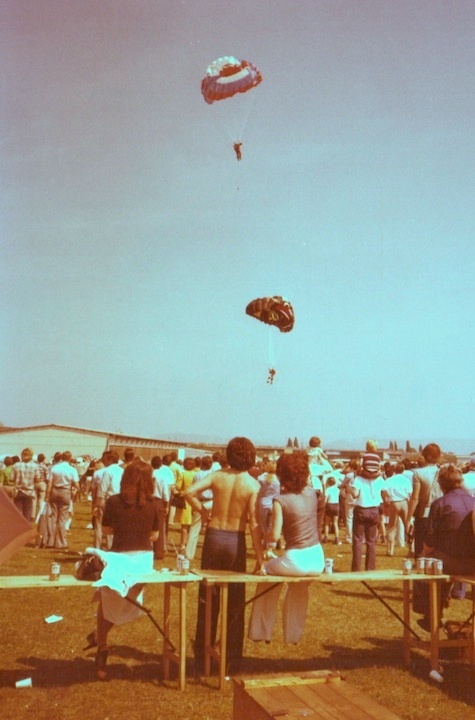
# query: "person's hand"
(259, 569)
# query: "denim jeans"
(24, 503)
(223, 550)
(365, 527)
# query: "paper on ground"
(53, 619)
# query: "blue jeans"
(24, 503)
(223, 550)
(365, 527)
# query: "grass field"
(347, 630)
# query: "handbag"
(89, 568)
(178, 501)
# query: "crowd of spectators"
(417, 502)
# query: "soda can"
(438, 567)
(179, 562)
(55, 571)
(329, 566)
(185, 566)
(406, 567)
(420, 565)
(429, 565)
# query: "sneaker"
(324, 539)
(337, 542)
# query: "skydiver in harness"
(270, 378)
(237, 149)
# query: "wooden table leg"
(166, 630)
(434, 597)
(472, 635)
(223, 612)
(208, 613)
(182, 637)
(406, 638)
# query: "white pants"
(295, 563)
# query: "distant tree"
(296, 443)
(420, 448)
(289, 443)
(395, 445)
(391, 445)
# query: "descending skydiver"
(270, 379)
(237, 149)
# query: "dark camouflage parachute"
(274, 310)
(228, 76)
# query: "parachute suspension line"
(249, 107)
(271, 357)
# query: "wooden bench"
(313, 695)
(175, 654)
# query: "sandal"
(101, 661)
(91, 641)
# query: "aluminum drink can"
(420, 565)
(429, 565)
(55, 571)
(329, 566)
(179, 562)
(406, 567)
(438, 567)
(185, 566)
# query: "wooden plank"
(14, 582)
(278, 701)
(360, 705)
(313, 676)
(245, 706)
(318, 705)
(225, 576)
(322, 699)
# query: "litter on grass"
(26, 682)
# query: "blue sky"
(132, 240)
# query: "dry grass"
(347, 630)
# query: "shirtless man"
(224, 548)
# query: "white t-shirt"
(332, 494)
(369, 491)
(469, 482)
(164, 479)
(398, 487)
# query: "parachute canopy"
(274, 310)
(228, 76)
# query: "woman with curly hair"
(294, 514)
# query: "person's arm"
(193, 493)
(255, 531)
(277, 520)
(354, 489)
(416, 489)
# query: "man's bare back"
(234, 499)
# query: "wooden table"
(411, 640)
(171, 653)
